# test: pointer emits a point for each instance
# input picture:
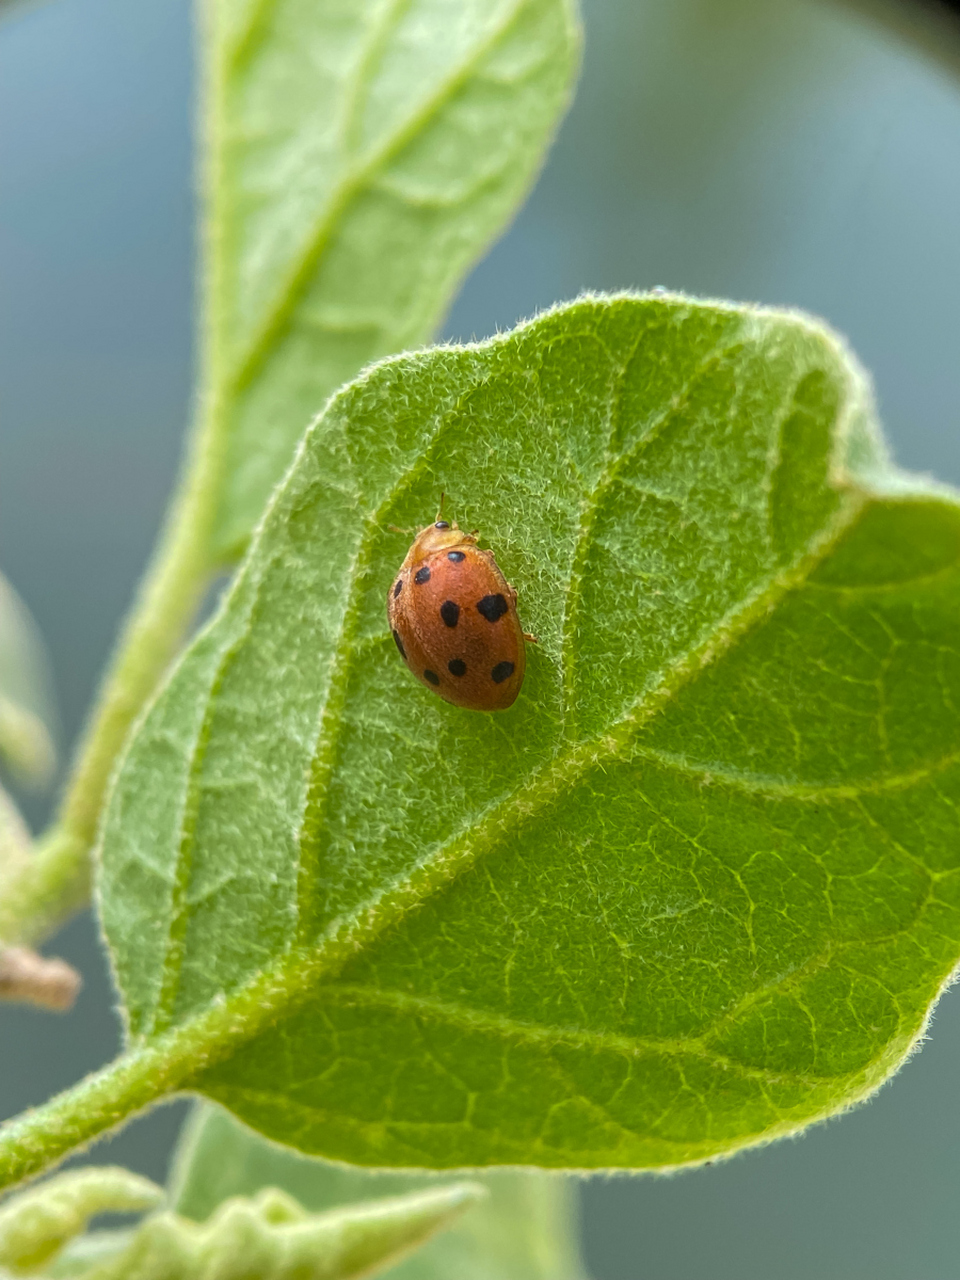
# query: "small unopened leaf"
(271, 1237)
(35, 1225)
(84, 1252)
(698, 887)
(361, 156)
(525, 1228)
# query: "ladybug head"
(440, 536)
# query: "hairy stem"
(38, 894)
(148, 1073)
(41, 1138)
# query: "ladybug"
(454, 620)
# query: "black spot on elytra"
(450, 612)
(432, 676)
(398, 588)
(422, 575)
(456, 556)
(403, 652)
(457, 667)
(492, 607)
(502, 671)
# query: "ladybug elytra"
(454, 620)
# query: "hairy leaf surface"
(525, 1229)
(361, 153)
(696, 888)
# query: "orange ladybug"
(454, 620)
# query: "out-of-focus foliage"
(525, 1228)
(26, 703)
(35, 1225)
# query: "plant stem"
(34, 1141)
(41, 1138)
(40, 891)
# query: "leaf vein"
(773, 787)
(468, 1018)
(589, 509)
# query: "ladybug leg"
(530, 639)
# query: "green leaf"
(697, 888)
(26, 700)
(270, 1237)
(35, 1225)
(361, 156)
(525, 1229)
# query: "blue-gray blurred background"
(786, 151)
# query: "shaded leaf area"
(525, 1229)
(693, 890)
(362, 155)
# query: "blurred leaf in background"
(27, 715)
(268, 1235)
(525, 1230)
(36, 1224)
